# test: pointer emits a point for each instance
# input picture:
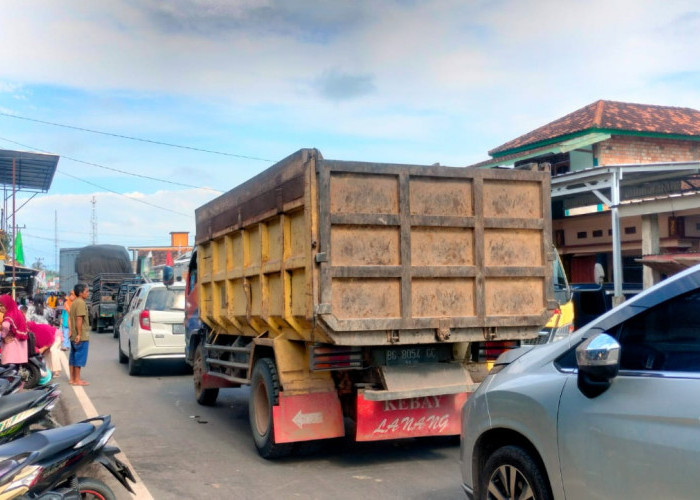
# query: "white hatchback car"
(153, 326)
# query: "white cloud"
(120, 220)
(399, 81)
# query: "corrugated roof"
(612, 116)
(33, 171)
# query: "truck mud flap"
(305, 417)
(438, 415)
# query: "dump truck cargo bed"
(366, 254)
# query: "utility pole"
(14, 263)
(55, 240)
(94, 221)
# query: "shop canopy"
(33, 171)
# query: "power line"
(65, 231)
(110, 168)
(120, 136)
(122, 194)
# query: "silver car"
(613, 412)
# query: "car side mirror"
(598, 360)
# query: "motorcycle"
(45, 464)
(10, 382)
(34, 370)
(19, 412)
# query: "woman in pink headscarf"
(13, 331)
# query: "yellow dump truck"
(369, 293)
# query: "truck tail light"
(489, 351)
(145, 320)
(330, 357)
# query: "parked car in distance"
(153, 326)
(609, 412)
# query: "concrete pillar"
(650, 246)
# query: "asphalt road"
(183, 450)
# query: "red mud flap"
(413, 417)
(213, 382)
(305, 417)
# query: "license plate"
(179, 328)
(415, 354)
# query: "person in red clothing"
(44, 341)
(13, 331)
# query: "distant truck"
(126, 290)
(67, 275)
(103, 299)
(85, 265)
(366, 291)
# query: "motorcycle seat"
(12, 404)
(47, 442)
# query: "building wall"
(621, 149)
(592, 233)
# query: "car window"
(165, 299)
(136, 299)
(664, 338)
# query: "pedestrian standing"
(13, 332)
(40, 314)
(79, 334)
(65, 323)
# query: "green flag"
(19, 249)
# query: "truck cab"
(192, 321)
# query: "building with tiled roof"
(658, 148)
(605, 133)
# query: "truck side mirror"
(598, 360)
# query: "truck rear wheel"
(205, 397)
(264, 394)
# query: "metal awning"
(669, 264)
(615, 184)
(635, 183)
(33, 171)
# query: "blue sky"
(392, 81)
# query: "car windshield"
(165, 299)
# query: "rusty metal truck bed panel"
(370, 253)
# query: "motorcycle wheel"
(30, 375)
(91, 488)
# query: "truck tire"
(264, 394)
(205, 397)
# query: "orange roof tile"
(612, 116)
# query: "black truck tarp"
(97, 259)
